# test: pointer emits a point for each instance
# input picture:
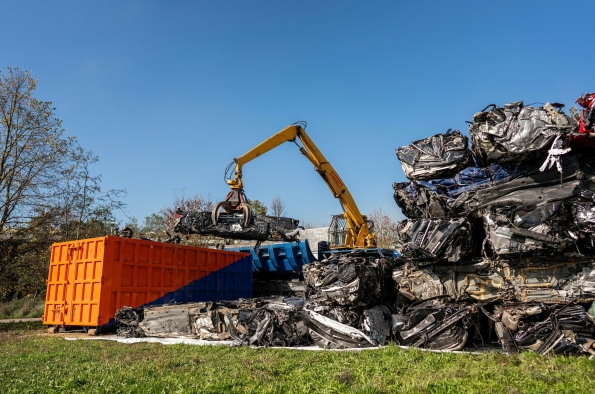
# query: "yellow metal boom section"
(358, 232)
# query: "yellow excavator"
(349, 230)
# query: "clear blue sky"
(168, 93)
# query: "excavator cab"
(337, 231)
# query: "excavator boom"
(359, 229)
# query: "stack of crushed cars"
(498, 246)
(349, 300)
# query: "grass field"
(31, 361)
(22, 308)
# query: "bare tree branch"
(278, 206)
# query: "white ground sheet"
(202, 342)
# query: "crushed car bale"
(348, 298)
(501, 254)
(260, 227)
(516, 133)
(437, 156)
(352, 279)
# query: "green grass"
(22, 308)
(34, 362)
(21, 328)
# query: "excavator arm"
(359, 229)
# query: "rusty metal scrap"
(559, 279)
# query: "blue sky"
(168, 93)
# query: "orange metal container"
(90, 279)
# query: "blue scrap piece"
(286, 257)
(465, 181)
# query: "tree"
(47, 192)
(33, 154)
(80, 201)
(385, 229)
(258, 207)
(153, 226)
(277, 206)
(183, 203)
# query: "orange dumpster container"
(90, 279)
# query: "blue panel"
(287, 257)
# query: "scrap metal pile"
(500, 253)
(497, 252)
(349, 300)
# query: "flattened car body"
(258, 322)
(547, 229)
(434, 324)
(436, 240)
(501, 185)
(555, 280)
(439, 155)
(261, 228)
(517, 132)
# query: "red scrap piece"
(585, 141)
(586, 122)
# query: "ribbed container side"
(285, 257)
(90, 279)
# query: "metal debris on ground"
(128, 320)
(256, 322)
